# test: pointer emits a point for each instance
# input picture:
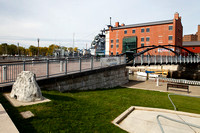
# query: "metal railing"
(182, 121)
(53, 67)
(182, 81)
(159, 59)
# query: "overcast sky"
(55, 21)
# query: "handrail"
(182, 122)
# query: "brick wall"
(158, 34)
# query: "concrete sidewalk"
(141, 83)
(144, 120)
(6, 124)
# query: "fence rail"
(54, 67)
(141, 60)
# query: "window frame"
(142, 29)
(142, 39)
(133, 30)
(142, 44)
(148, 30)
(117, 40)
(170, 28)
(148, 39)
(170, 37)
(117, 45)
(125, 31)
(112, 45)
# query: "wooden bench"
(181, 86)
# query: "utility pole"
(38, 46)
(73, 43)
(18, 48)
(110, 21)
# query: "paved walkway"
(151, 84)
(6, 124)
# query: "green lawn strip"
(93, 111)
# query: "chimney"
(198, 33)
(198, 29)
(122, 24)
(176, 15)
(116, 24)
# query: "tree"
(12, 49)
(76, 49)
(65, 48)
(52, 47)
(44, 51)
(70, 49)
(33, 50)
(4, 48)
(22, 51)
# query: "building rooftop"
(192, 43)
(145, 24)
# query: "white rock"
(25, 88)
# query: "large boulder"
(25, 88)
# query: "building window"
(170, 27)
(111, 41)
(111, 53)
(142, 44)
(111, 45)
(147, 29)
(117, 40)
(170, 37)
(142, 39)
(125, 32)
(142, 30)
(133, 31)
(117, 53)
(193, 48)
(147, 39)
(117, 45)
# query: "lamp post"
(38, 46)
(18, 48)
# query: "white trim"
(107, 46)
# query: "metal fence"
(159, 59)
(53, 67)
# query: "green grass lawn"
(91, 111)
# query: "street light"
(38, 46)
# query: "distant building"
(193, 46)
(122, 38)
(192, 37)
(60, 52)
(98, 45)
(86, 52)
(189, 38)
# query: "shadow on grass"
(133, 82)
(23, 125)
(98, 89)
(58, 97)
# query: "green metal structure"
(129, 43)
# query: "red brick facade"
(192, 37)
(155, 33)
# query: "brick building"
(193, 46)
(192, 37)
(121, 38)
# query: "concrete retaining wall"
(90, 80)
